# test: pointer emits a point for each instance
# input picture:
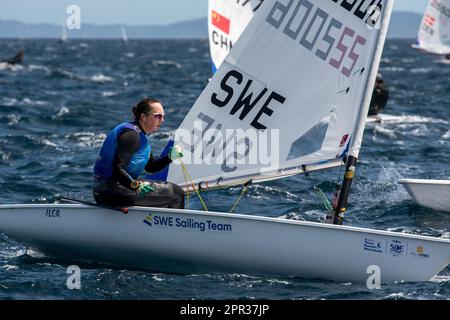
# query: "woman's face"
(153, 120)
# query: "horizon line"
(122, 24)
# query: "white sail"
(226, 21)
(124, 34)
(434, 32)
(288, 95)
(63, 33)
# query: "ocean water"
(56, 109)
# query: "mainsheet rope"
(187, 175)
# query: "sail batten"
(290, 92)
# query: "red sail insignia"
(220, 22)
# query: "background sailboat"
(63, 37)
(227, 19)
(433, 194)
(434, 38)
(14, 63)
(434, 32)
(124, 34)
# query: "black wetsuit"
(117, 191)
(379, 100)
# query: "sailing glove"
(144, 189)
(175, 153)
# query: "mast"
(356, 142)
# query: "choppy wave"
(392, 69)
(33, 67)
(62, 111)
(109, 93)
(13, 119)
(421, 70)
(166, 63)
(101, 78)
(87, 139)
(10, 67)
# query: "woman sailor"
(124, 156)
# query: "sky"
(130, 12)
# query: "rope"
(319, 192)
(186, 173)
(187, 190)
(244, 190)
(324, 199)
(193, 185)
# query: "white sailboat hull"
(434, 194)
(187, 241)
(384, 118)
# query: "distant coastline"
(403, 25)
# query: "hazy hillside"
(403, 25)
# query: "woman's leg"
(166, 194)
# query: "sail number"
(235, 83)
(333, 50)
(441, 8)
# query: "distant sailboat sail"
(63, 33)
(257, 120)
(226, 21)
(124, 35)
(434, 32)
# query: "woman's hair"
(144, 106)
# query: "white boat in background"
(14, 63)
(384, 118)
(433, 194)
(434, 32)
(279, 80)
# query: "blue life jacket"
(103, 168)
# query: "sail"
(291, 94)
(226, 21)
(434, 32)
(124, 34)
(63, 33)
